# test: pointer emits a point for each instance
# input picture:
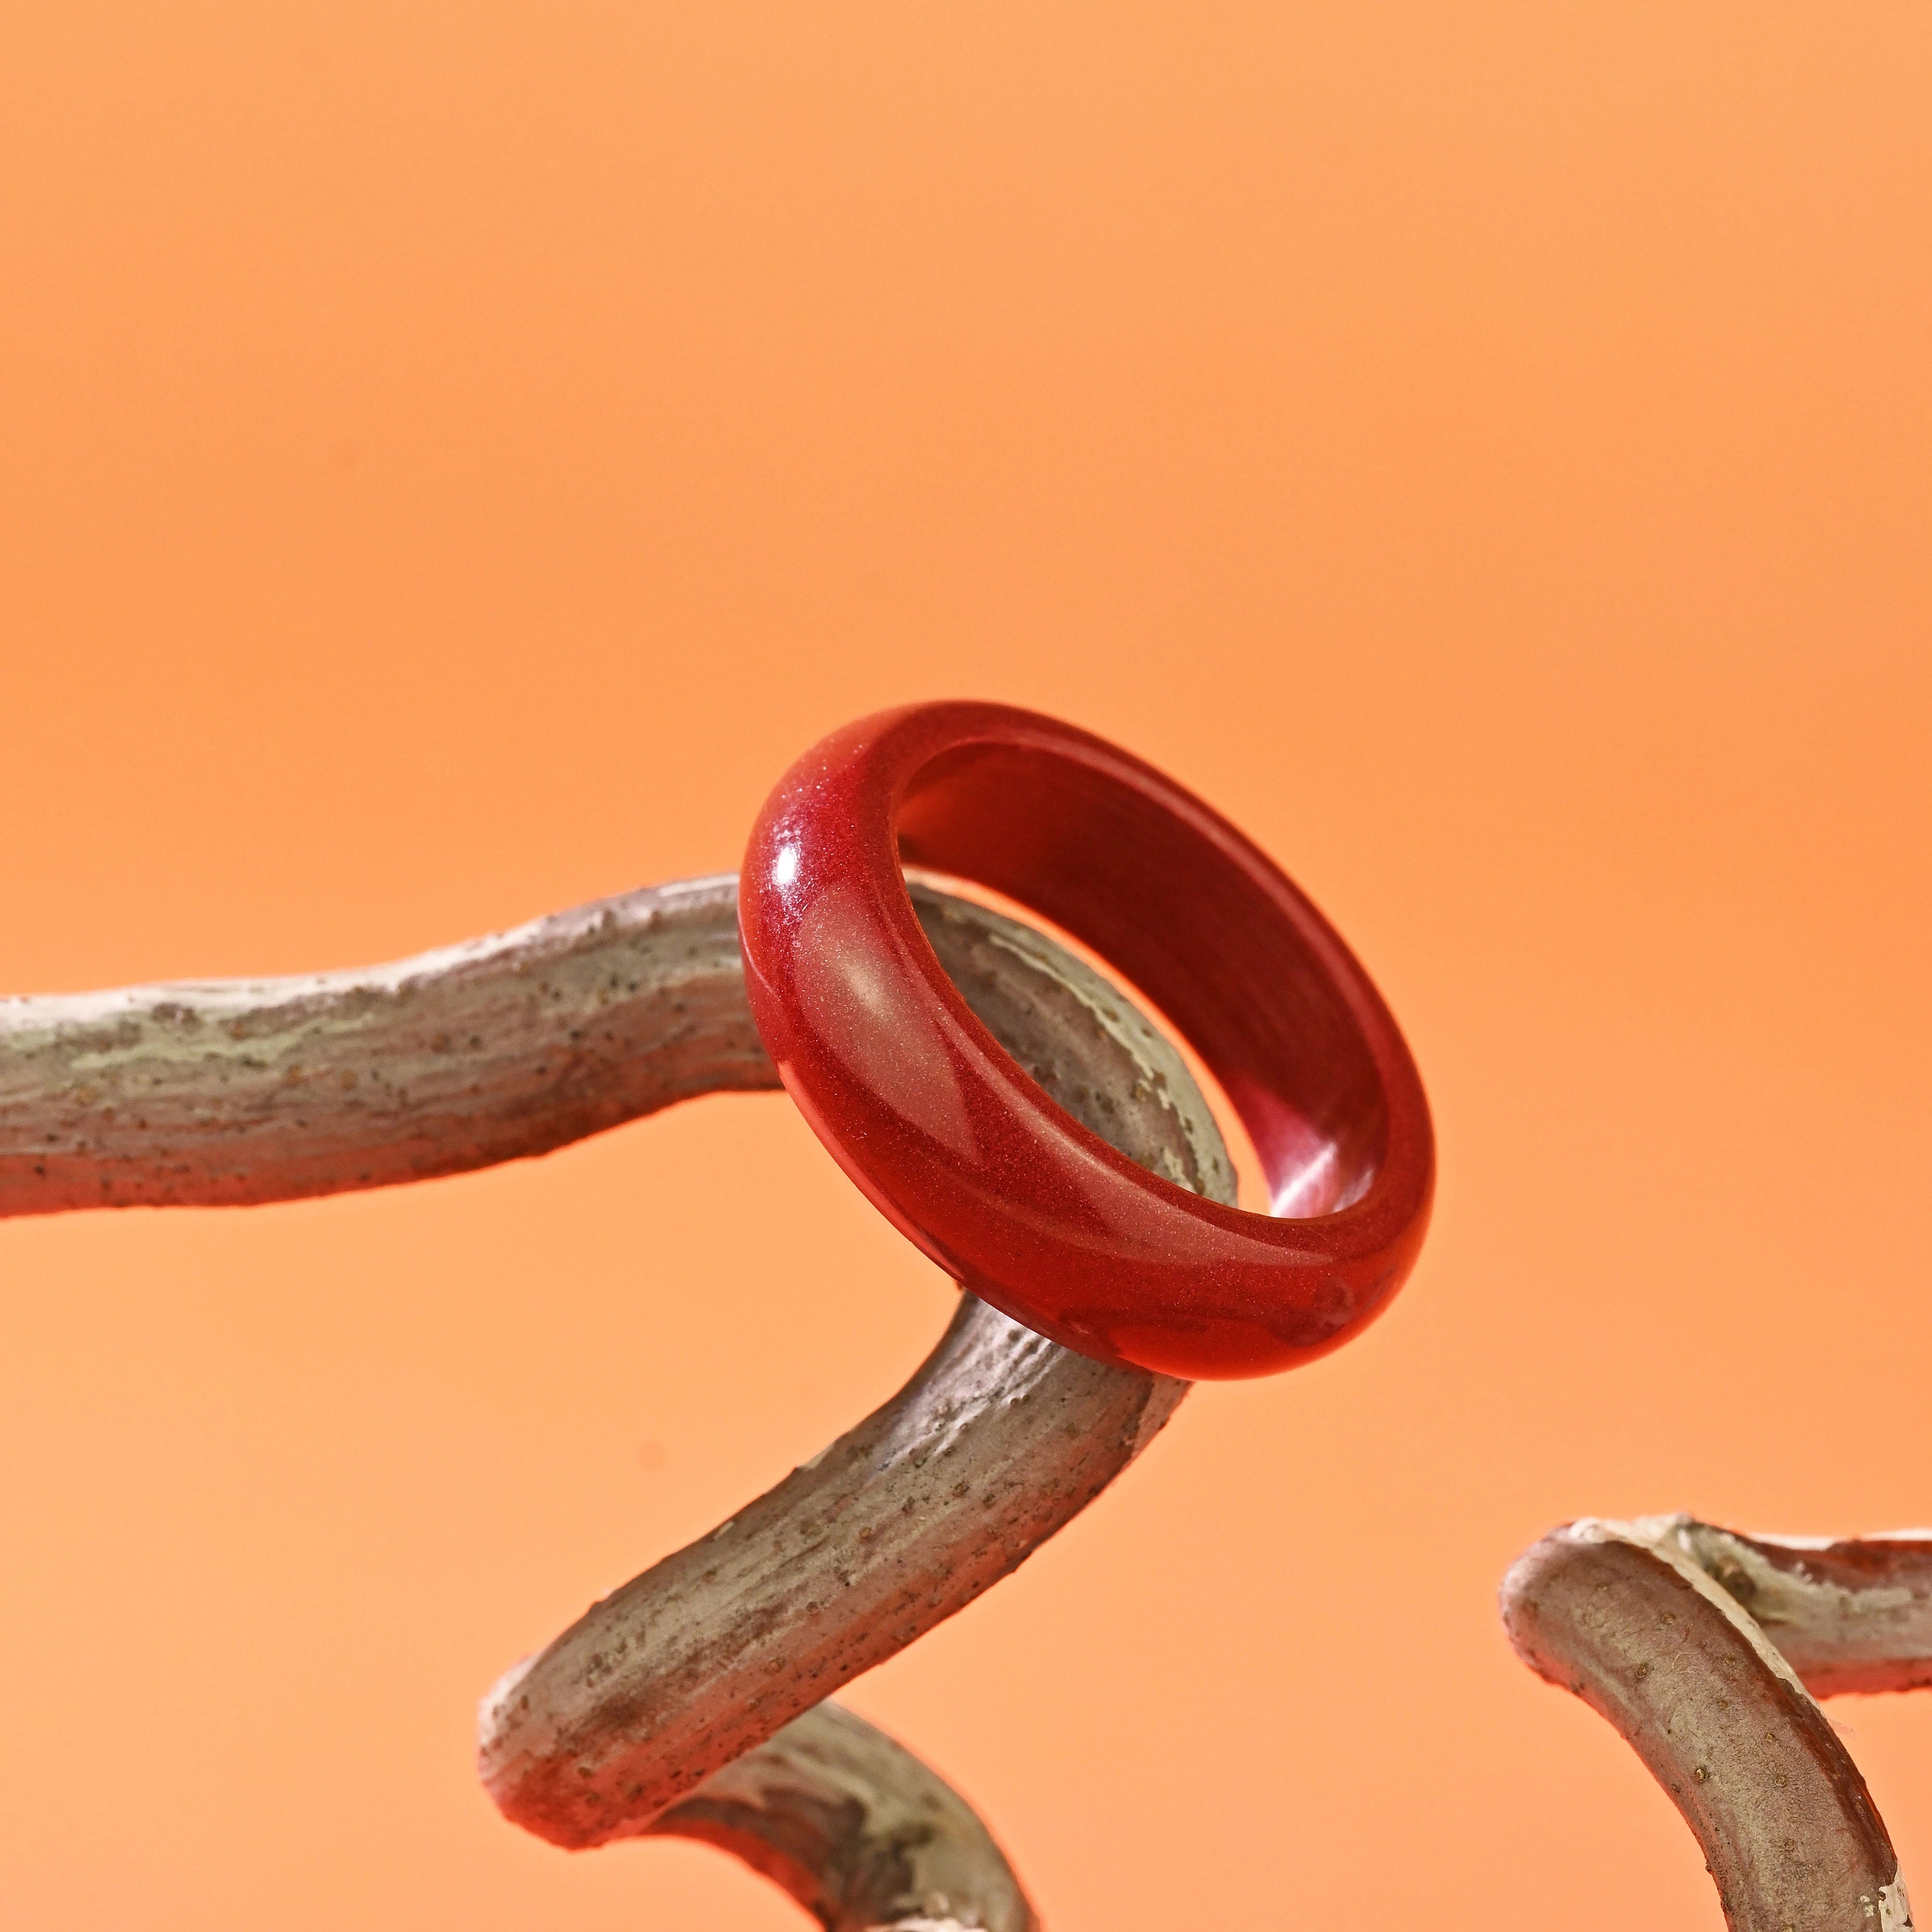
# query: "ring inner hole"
(1252, 1191)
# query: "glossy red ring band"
(965, 1155)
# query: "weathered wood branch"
(1001, 1439)
(243, 1091)
(1624, 1616)
(1852, 1613)
(858, 1830)
(688, 1702)
(677, 1691)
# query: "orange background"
(455, 456)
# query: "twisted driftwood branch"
(686, 1702)
(244, 1091)
(681, 1685)
(1000, 1438)
(1634, 1619)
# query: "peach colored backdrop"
(455, 457)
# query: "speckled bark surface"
(999, 1440)
(688, 1702)
(1621, 1615)
(242, 1091)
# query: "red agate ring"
(962, 1152)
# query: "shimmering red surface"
(962, 1151)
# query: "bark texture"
(1847, 1613)
(857, 1830)
(1000, 1439)
(243, 1091)
(1621, 1614)
(688, 1702)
